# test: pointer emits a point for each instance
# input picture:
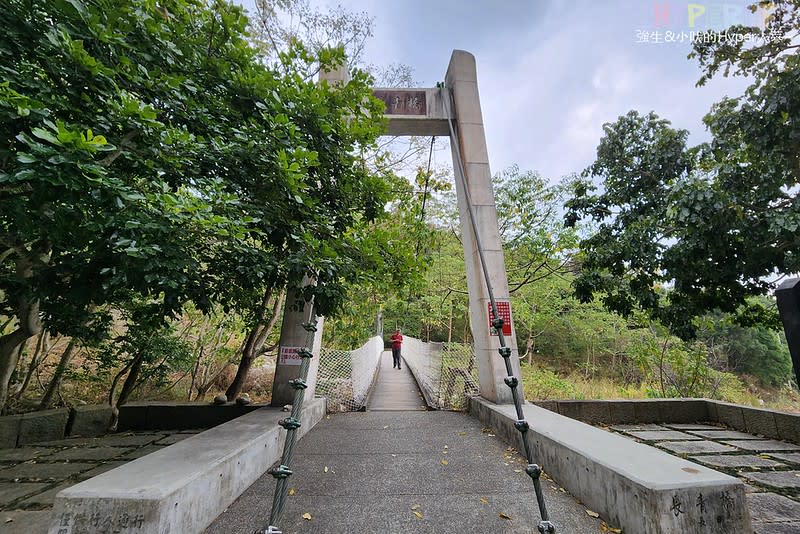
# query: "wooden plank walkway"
(395, 389)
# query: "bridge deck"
(395, 389)
(370, 472)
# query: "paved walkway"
(395, 389)
(31, 476)
(769, 468)
(421, 472)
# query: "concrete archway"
(454, 111)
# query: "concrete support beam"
(634, 486)
(296, 312)
(462, 81)
(293, 337)
(181, 488)
(415, 111)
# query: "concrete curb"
(768, 423)
(92, 421)
(633, 486)
(184, 487)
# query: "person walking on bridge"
(397, 342)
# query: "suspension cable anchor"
(534, 471)
(269, 530)
(282, 471)
(505, 352)
(298, 383)
(305, 353)
(290, 423)
(498, 324)
(546, 527)
(310, 326)
(521, 425)
(511, 381)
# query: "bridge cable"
(282, 472)
(533, 470)
(421, 218)
(425, 190)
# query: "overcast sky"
(551, 72)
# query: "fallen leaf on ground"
(462, 433)
(394, 456)
(446, 447)
(504, 516)
(326, 469)
(9, 520)
(591, 513)
(484, 500)
(307, 516)
(291, 491)
(416, 507)
(419, 515)
(387, 426)
(445, 462)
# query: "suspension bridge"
(396, 451)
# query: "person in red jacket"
(397, 342)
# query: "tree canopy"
(687, 230)
(148, 151)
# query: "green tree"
(195, 174)
(683, 231)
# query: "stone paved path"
(392, 472)
(769, 468)
(395, 389)
(31, 476)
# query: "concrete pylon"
(462, 80)
(296, 312)
(293, 338)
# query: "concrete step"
(183, 487)
(636, 487)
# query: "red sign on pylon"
(504, 310)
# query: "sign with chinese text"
(289, 356)
(403, 102)
(504, 310)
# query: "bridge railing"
(346, 376)
(445, 372)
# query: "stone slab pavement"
(423, 472)
(31, 476)
(770, 468)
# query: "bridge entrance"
(451, 110)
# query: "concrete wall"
(92, 421)
(634, 486)
(769, 423)
(181, 488)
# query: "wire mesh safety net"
(345, 376)
(445, 372)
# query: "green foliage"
(542, 383)
(159, 347)
(755, 351)
(149, 152)
(684, 231)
